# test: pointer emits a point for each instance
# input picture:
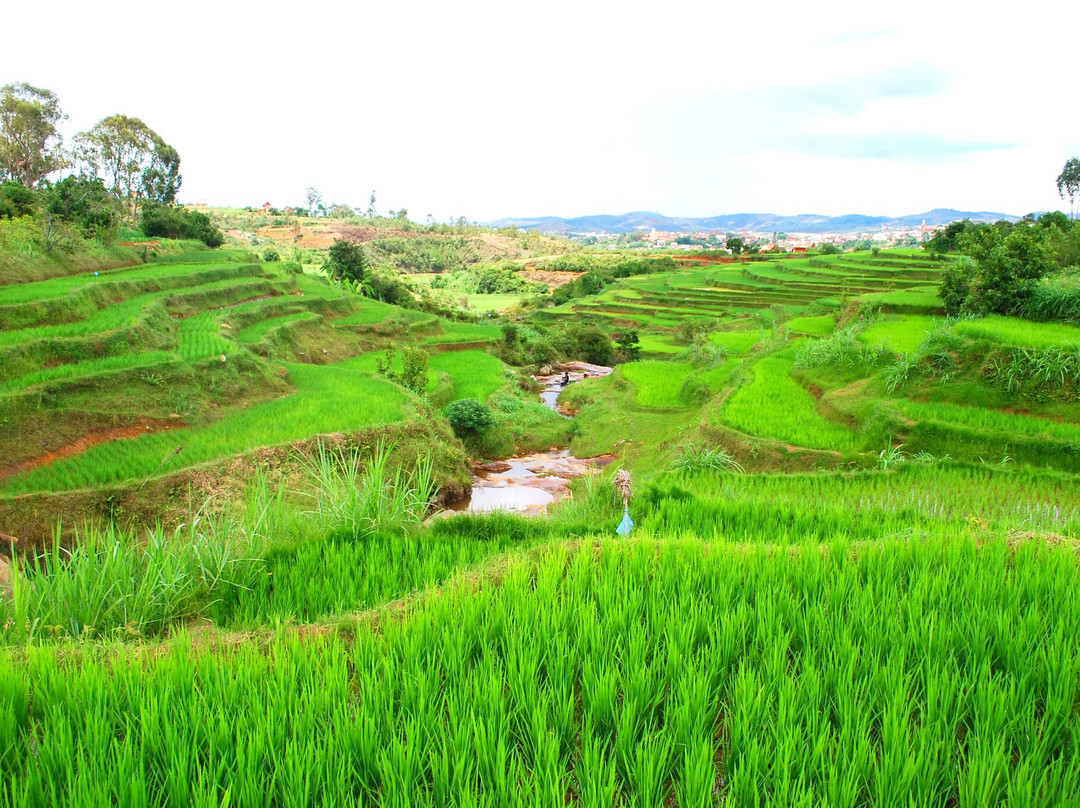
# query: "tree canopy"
(1003, 264)
(1068, 182)
(31, 147)
(346, 261)
(134, 161)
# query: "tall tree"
(313, 197)
(134, 161)
(161, 181)
(1068, 182)
(31, 147)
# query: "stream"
(529, 483)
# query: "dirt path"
(140, 427)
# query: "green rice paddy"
(991, 420)
(656, 384)
(773, 405)
(738, 342)
(900, 333)
(1019, 333)
(818, 326)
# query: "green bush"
(85, 202)
(587, 343)
(346, 261)
(16, 200)
(469, 418)
(270, 255)
(1008, 261)
(169, 221)
(414, 368)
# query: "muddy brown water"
(529, 483)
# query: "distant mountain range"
(736, 222)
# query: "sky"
(493, 109)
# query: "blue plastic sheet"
(626, 524)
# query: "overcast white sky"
(491, 109)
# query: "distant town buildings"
(654, 239)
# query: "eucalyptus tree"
(1068, 182)
(31, 146)
(133, 160)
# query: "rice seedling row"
(647, 673)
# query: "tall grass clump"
(705, 458)
(264, 556)
(362, 498)
(1056, 297)
(842, 349)
(1051, 369)
(112, 582)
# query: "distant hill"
(734, 222)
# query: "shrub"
(588, 343)
(346, 261)
(414, 368)
(693, 391)
(85, 202)
(469, 418)
(1008, 268)
(169, 221)
(956, 281)
(389, 290)
(629, 346)
(270, 255)
(16, 200)
(592, 283)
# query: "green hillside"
(852, 577)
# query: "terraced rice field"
(310, 411)
(853, 637)
(902, 280)
(738, 342)
(102, 341)
(817, 326)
